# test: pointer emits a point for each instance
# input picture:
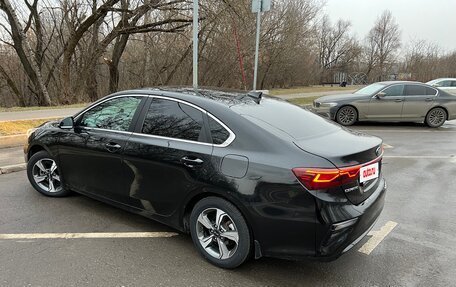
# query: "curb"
(12, 168)
(12, 141)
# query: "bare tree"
(30, 59)
(384, 40)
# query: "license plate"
(368, 172)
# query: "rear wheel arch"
(190, 204)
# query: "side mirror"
(67, 123)
(436, 85)
(380, 95)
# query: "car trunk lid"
(348, 149)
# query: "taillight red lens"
(318, 178)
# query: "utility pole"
(195, 43)
(258, 6)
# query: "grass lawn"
(311, 89)
(18, 109)
(19, 127)
(303, 101)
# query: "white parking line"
(377, 237)
(88, 235)
(387, 146)
(405, 131)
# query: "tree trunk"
(25, 53)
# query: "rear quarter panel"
(449, 103)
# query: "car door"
(388, 104)
(452, 88)
(168, 156)
(417, 101)
(90, 153)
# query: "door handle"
(112, 147)
(429, 99)
(398, 100)
(191, 162)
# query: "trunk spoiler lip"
(377, 159)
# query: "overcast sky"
(431, 20)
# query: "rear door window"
(415, 90)
(172, 119)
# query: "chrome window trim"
(230, 138)
(436, 91)
(228, 141)
(106, 130)
(174, 139)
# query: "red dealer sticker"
(368, 172)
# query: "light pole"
(258, 6)
(195, 43)
(257, 50)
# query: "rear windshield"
(280, 117)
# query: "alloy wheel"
(346, 116)
(436, 117)
(217, 233)
(46, 175)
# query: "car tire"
(212, 239)
(436, 117)
(44, 175)
(347, 115)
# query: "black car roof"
(204, 96)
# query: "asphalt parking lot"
(419, 165)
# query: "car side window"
(115, 114)
(415, 90)
(218, 132)
(444, 84)
(453, 83)
(173, 119)
(431, 91)
(394, 91)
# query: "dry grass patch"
(311, 89)
(303, 101)
(19, 109)
(19, 127)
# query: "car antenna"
(256, 96)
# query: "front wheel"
(347, 116)
(220, 233)
(44, 175)
(436, 117)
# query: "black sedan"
(244, 174)
(393, 101)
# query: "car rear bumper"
(339, 237)
(338, 227)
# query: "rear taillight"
(318, 178)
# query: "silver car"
(390, 101)
(446, 84)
